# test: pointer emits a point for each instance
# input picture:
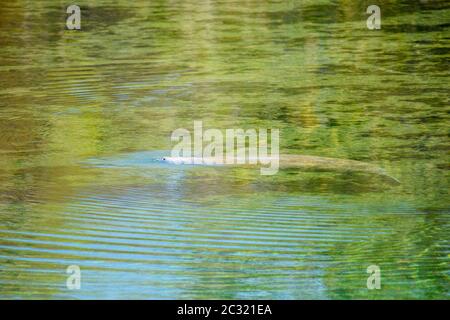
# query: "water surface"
(82, 114)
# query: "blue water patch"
(131, 160)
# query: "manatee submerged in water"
(291, 161)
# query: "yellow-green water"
(82, 113)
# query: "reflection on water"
(80, 110)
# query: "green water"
(81, 112)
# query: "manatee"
(292, 161)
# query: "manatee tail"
(387, 177)
(315, 163)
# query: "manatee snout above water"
(288, 161)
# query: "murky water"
(82, 113)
